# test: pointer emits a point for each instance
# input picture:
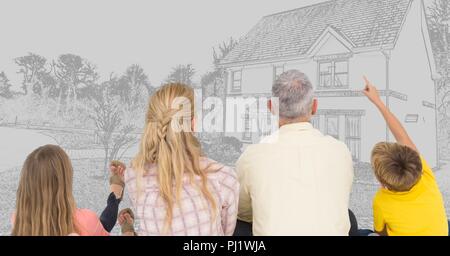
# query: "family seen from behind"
(297, 181)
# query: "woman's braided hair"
(168, 141)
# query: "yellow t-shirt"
(418, 212)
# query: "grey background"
(120, 51)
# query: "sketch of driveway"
(17, 144)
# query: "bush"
(236, 143)
(225, 150)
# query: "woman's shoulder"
(224, 176)
(130, 172)
(216, 169)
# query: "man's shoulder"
(251, 150)
(271, 142)
(332, 143)
(253, 153)
(332, 140)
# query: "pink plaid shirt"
(194, 215)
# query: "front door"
(344, 125)
(332, 125)
(353, 135)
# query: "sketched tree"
(182, 74)
(5, 86)
(439, 23)
(213, 83)
(31, 67)
(224, 49)
(74, 75)
(136, 78)
(46, 86)
(115, 136)
(133, 88)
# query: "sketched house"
(335, 43)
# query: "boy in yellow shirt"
(409, 202)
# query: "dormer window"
(236, 81)
(333, 74)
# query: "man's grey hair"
(295, 94)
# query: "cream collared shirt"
(297, 182)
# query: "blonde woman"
(45, 205)
(173, 188)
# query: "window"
(236, 80)
(265, 122)
(342, 124)
(315, 121)
(353, 135)
(247, 129)
(325, 70)
(277, 71)
(97, 139)
(333, 74)
(411, 118)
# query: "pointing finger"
(366, 80)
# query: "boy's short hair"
(397, 167)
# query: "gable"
(330, 43)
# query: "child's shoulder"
(89, 224)
(382, 197)
(85, 214)
(426, 169)
(379, 196)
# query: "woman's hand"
(125, 217)
(117, 167)
(117, 176)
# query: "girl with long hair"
(45, 205)
(175, 190)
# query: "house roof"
(365, 23)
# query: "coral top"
(87, 222)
